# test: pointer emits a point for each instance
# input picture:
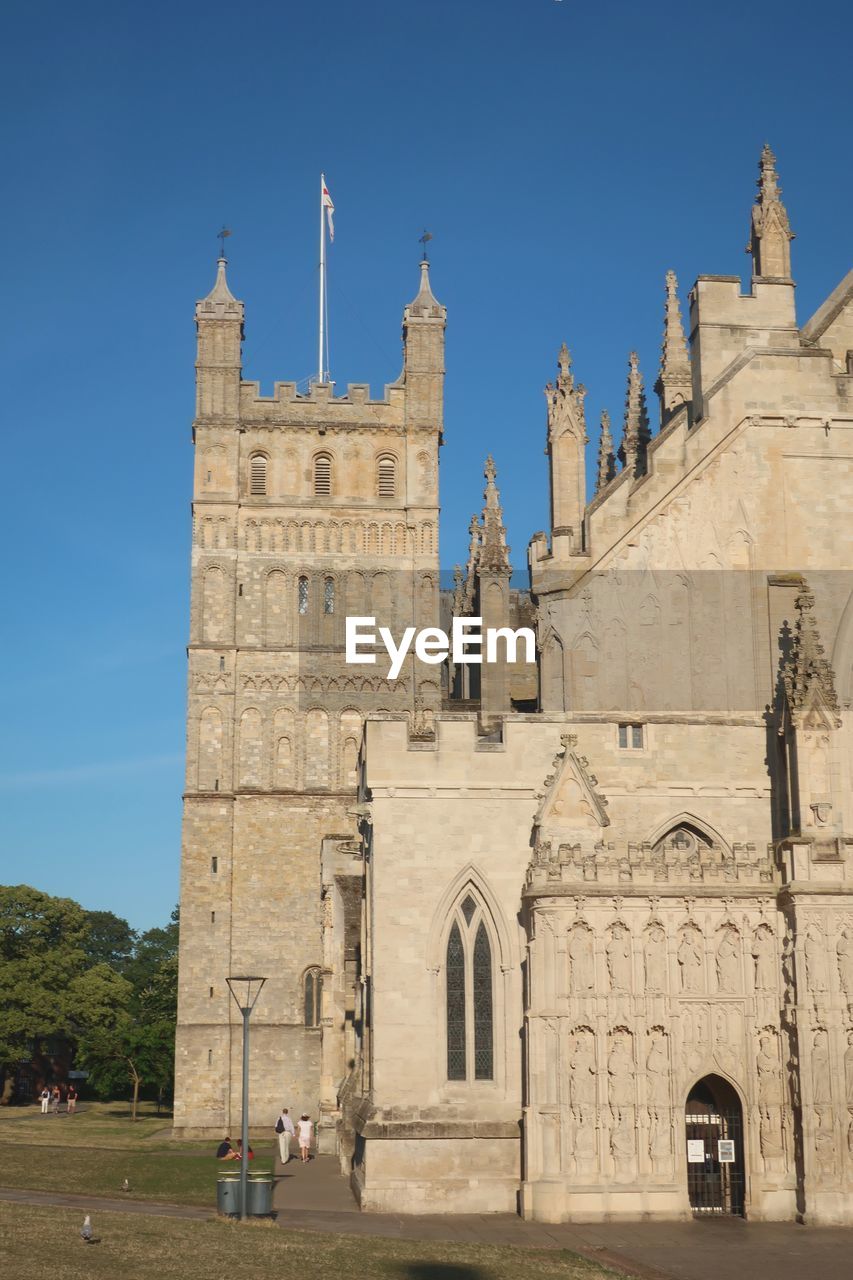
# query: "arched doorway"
(714, 1136)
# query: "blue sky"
(564, 155)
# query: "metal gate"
(715, 1175)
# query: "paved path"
(92, 1204)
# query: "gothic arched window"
(258, 474)
(329, 595)
(302, 595)
(313, 993)
(470, 1004)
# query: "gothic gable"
(571, 807)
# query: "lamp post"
(245, 992)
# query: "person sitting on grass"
(225, 1151)
(238, 1154)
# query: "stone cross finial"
(635, 432)
(606, 456)
(770, 231)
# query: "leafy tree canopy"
(88, 977)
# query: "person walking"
(305, 1130)
(284, 1129)
(55, 1099)
(45, 1100)
(71, 1099)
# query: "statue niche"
(581, 953)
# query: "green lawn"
(44, 1243)
(95, 1151)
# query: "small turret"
(635, 432)
(674, 384)
(606, 456)
(424, 322)
(565, 449)
(770, 233)
(219, 325)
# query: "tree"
(86, 978)
(136, 1041)
(41, 952)
(109, 939)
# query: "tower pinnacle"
(635, 432)
(606, 457)
(674, 383)
(770, 232)
(565, 448)
(494, 553)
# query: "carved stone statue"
(660, 1146)
(764, 957)
(623, 1145)
(824, 1142)
(848, 1070)
(769, 1072)
(816, 971)
(620, 1070)
(581, 961)
(821, 1086)
(690, 961)
(728, 961)
(654, 958)
(583, 1069)
(619, 959)
(657, 1072)
(844, 952)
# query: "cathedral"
(571, 938)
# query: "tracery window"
(470, 1003)
(302, 595)
(329, 595)
(313, 992)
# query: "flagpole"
(320, 361)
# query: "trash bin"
(259, 1195)
(228, 1195)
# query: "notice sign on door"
(695, 1151)
(726, 1151)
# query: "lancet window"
(313, 994)
(469, 994)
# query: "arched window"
(329, 595)
(302, 595)
(322, 475)
(258, 474)
(470, 1004)
(386, 476)
(313, 991)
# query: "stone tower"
(306, 508)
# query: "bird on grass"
(87, 1235)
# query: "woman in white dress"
(304, 1131)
